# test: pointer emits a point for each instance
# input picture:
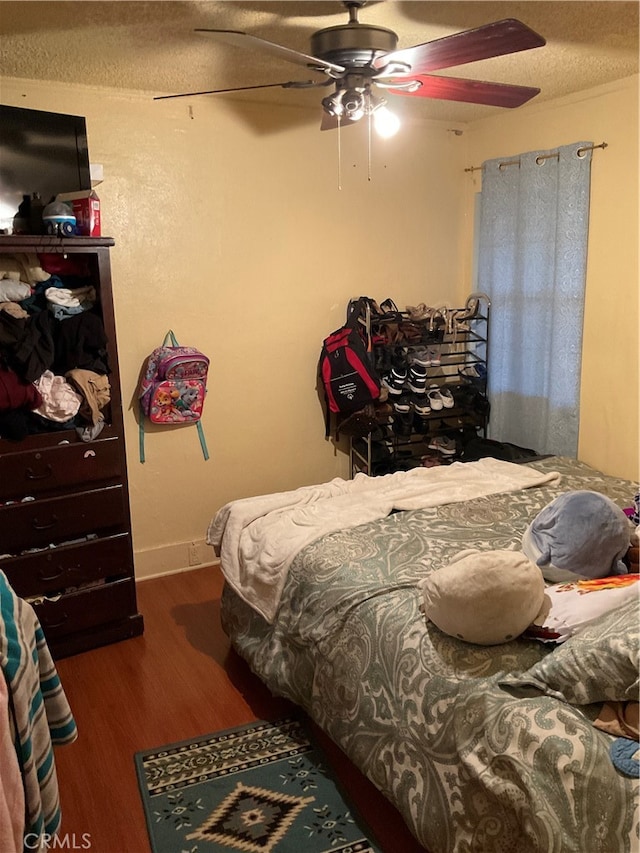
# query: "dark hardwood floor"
(179, 680)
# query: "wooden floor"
(178, 681)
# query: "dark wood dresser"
(65, 529)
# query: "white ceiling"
(151, 46)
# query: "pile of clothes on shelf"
(53, 348)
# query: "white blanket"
(257, 538)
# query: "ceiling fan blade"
(290, 84)
(330, 122)
(497, 39)
(469, 91)
(245, 40)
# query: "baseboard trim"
(215, 566)
(173, 559)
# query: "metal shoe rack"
(458, 339)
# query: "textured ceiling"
(151, 46)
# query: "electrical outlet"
(194, 554)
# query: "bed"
(480, 748)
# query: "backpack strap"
(141, 432)
(356, 311)
(170, 337)
(327, 416)
(358, 314)
(203, 443)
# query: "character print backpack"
(346, 370)
(173, 388)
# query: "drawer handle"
(30, 475)
(37, 526)
(61, 621)
(52, 577)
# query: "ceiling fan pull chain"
(339, 156)
(369, 147)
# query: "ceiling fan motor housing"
(353, 45)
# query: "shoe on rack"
(403, 404)
(421, 404)
(390, 311)
(443, 444)
(419, 312)
(471, 307)
(418, 378)
(456, 318)
(474, 373)
(420, 356)
(421, 424)
(447, 398)
(468, 372)
(438, 317)
(435, 398)
(383, 363)
(434, 356)
(381, 451)
(382, 411)
(403, 424)
(381, 433)
(394, 382)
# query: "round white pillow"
(484, 597)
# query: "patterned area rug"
(261, 788)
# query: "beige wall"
(230, 228)
(609, 424)
(234, 233)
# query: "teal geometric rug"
(261, 788)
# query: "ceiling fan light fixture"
(353, 103)
(386, 123)
(332, 104)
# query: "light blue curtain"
(532, 252)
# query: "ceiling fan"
(356, 58)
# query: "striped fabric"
(11, 790)
(40, 715)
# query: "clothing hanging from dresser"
(39, 715)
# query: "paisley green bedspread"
(472, 766)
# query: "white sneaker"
(447, 398)
(435, 398)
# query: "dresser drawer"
(51, 469)
(87, 608)
(52, 520)
(58, 569)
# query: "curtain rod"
(579, 152)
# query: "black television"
(40, 152)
